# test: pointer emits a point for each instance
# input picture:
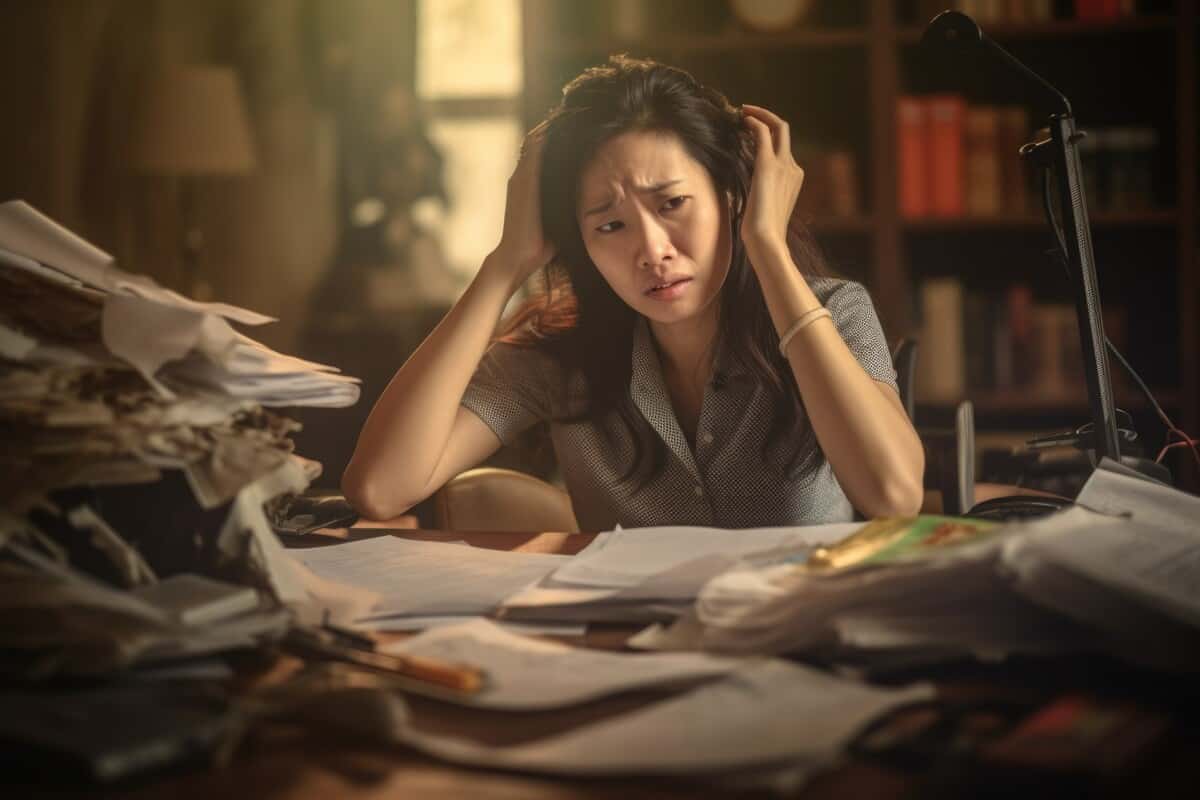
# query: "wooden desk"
(300, 762)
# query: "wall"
(69, 78)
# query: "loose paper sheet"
(526, 674)
(768, 713)
(428, 578)
(627, 557)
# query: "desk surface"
(300, 763)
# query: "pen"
(313, 643)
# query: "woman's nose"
(654, 246)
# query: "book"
(982, 161)
(1097, 10)
(941, 362)
(978, 327)
(1013, 132)
(1019, 306)
(1050, 326)
(911, 156)
(945, 154)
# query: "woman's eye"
(610, 227)
(674, 203)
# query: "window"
(469, 80)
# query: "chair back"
(494, 499)
(904, 359)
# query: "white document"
(1156, 564)
(1110, 491)
(27, 232)
(148, 334)
(627, 557)
(767, 713)
(527, 674)
(428, 578)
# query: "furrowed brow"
(648, 189)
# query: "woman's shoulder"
(838, 292)
(525, 356)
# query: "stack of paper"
(646, 574)
(108, 381)
(1121, 582)
(175, 342)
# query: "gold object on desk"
(892, 538)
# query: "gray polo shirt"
(725, 481)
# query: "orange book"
(910, 155)
(945, 154)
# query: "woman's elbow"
(904, 498)
(368, 498)
(897, 497)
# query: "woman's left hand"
(776, 182)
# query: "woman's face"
(655, 227)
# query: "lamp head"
(952, 28)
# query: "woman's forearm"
(866, 436)
(409, 427)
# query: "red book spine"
(910, 155)
(945, 155)
(1097, 10)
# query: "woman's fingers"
(762, 135)
(533, 141)
(781, 134)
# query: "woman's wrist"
(764, 249)
(502, 265)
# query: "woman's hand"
(523, 248)
(775, 185)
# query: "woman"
(695, 365)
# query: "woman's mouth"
(668, 289)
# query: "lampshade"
(193, 122)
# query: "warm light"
(468, 48)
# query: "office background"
(358, 165)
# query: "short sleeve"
(513, 389)
(856, 320)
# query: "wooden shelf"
(736, 40)
(1030, 401)
(1152, 218)
(1010, 31)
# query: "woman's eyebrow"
(648, 189)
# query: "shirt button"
(706, 437)
(698, 491)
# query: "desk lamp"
(192, 127)
(960, 35)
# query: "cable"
(1065, 261)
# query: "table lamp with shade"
(192, 126)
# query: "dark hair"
(576, 317)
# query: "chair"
(950, 463)
(494, 499)
(904, 359)
(949, 453)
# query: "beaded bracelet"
(806, 319)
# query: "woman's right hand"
(523, 248)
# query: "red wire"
(1187, 442)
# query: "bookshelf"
(837, 76)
